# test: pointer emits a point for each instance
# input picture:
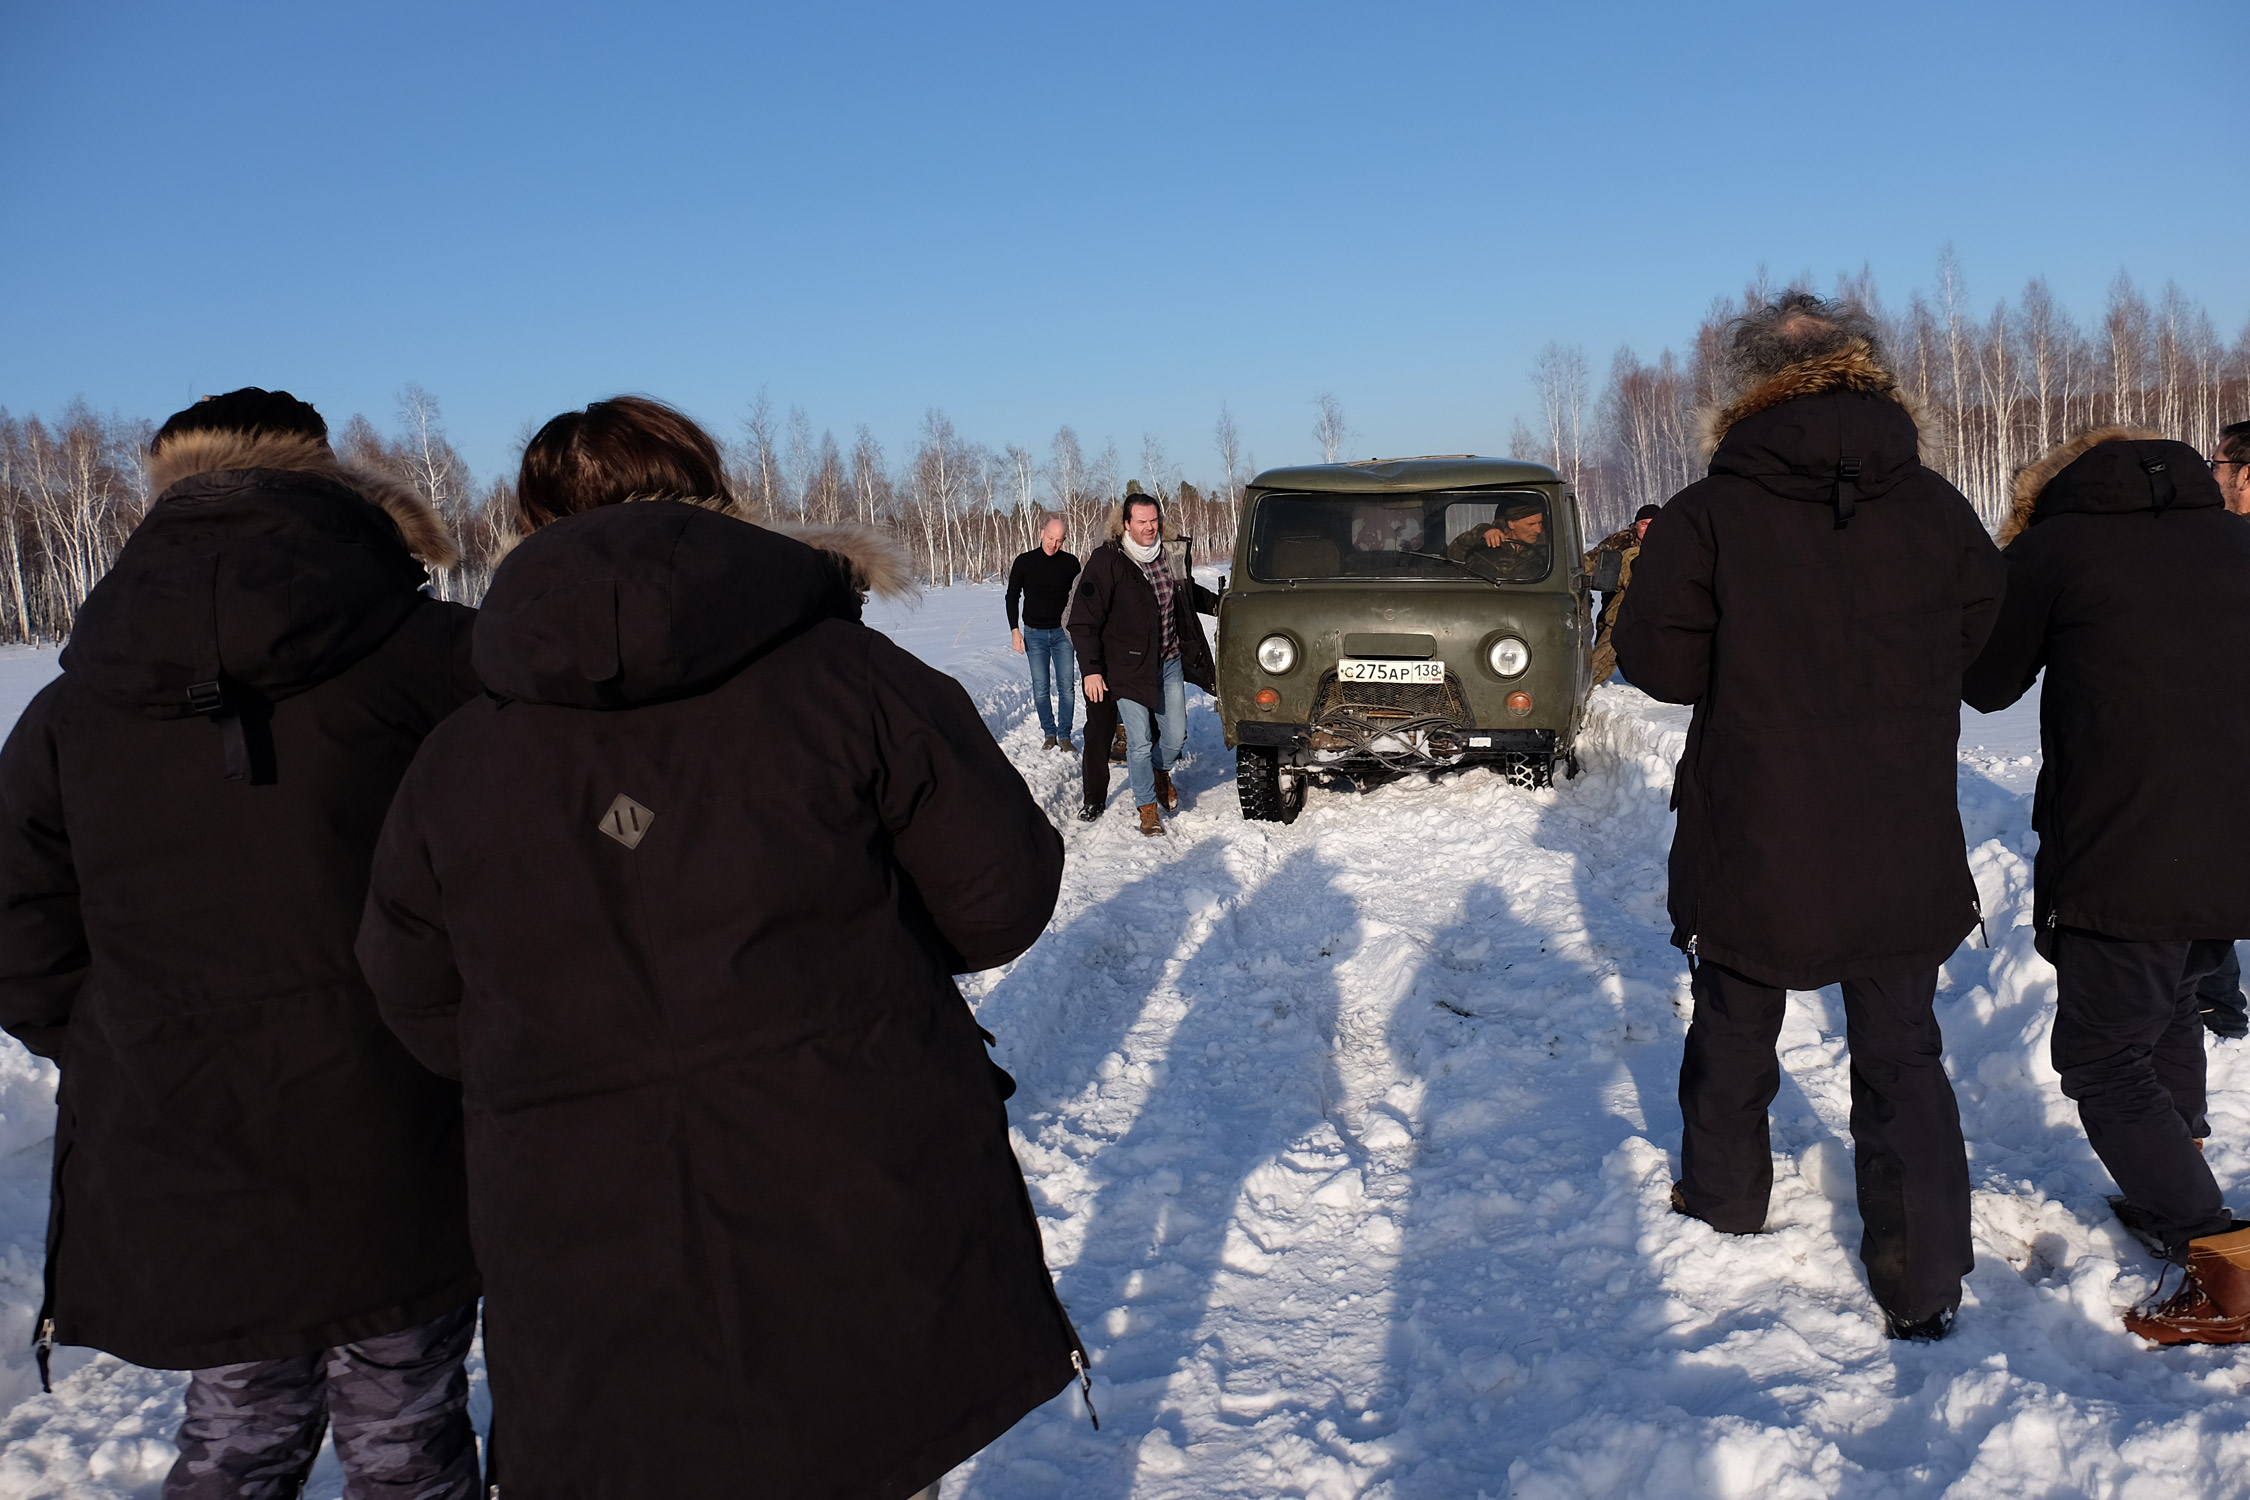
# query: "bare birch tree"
(1328, 426)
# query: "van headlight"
(1277, 654)
(1508, 656)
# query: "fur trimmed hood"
(189, 454)
(877, 562)
(1852, 368)
(1834, 431)
(2109, 470)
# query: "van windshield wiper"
(1456, 562)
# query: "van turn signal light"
(1268, 698)
(1519, 704)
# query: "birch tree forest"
(73, 487)
(1998, 386)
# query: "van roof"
(1440, 471)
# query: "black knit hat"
(247, 410)
(1648, 513)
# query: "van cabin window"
(1499, 535)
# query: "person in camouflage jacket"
(1626, 541)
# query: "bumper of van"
(1473, 744)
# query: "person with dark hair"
(2118, 544)
(1133, 622)
(679, 902)
(1041, 579)
(2230, 466)
(1625, 542)
(252, 1179)
(2219, 997)
(1816, 598)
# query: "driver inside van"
(1513, 542)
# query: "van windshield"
(1498, 535)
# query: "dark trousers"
(2226, 1010)
(399, 1404)
(1912, 1167)
(1101, 728)
(2129, 1046)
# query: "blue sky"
(1114, 217)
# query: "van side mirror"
(1607, 565)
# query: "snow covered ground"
(1352, 1140)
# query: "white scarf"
(1140, 554)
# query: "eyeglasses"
(2220, 463)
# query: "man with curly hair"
(1816, 598)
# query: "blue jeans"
(1140, 765)
(1049, 655)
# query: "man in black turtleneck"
(1041, 579)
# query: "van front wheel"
(1268, 796)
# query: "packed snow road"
(1351, 1144)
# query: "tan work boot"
(1166, 793)
(2213, 1305)
(1152, 822)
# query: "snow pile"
(1352, 1142)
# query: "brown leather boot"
(1152, 821)
(2212, 1306)
(1166, 793)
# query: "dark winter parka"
(1816, 597)
(247, 1163)
(1115, 631)
(2129, 584)
(679, 905)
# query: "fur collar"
(877, 562)
(1851, 368)
(210, 452)
(2033, 478)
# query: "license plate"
(1367, 669)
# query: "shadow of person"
(1545, 1029)
(1214, 1099)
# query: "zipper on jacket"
(43, 1349)
(1085, 1388)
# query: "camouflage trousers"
(1605, 659)
(399, 1404)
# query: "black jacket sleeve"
(1089, 612)
(2016, 649)
(1984, 582)
(965, 829)
(44, 957)
(1206, 602)
(404, 948)
(1015, 590)
(1669, 617)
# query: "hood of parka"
(2110, 471)
(1828, 431)
(264, 564)
(653, 600)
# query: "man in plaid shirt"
(1133, 626)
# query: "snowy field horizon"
(1351, 1142)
